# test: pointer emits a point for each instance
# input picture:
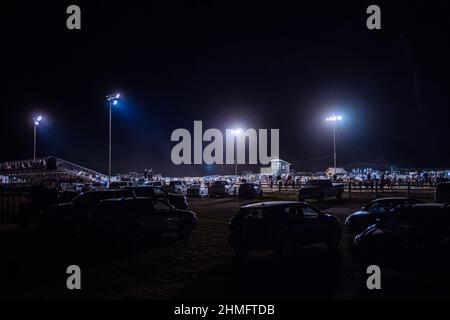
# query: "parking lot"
(201, 267)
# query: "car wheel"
(185, 230)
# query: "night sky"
(285, 65)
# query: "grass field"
(201, 267)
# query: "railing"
(94, 175)
(374, 188)
(26, 171)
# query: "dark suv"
(375, 210)
(282, 226)
(64, 216)
(407, 230)
(133, 217)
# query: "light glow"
(334, 118)
(236, 131)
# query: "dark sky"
(275, 64)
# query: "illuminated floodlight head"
(37, 119)
(115, 102)
(113, 96)
(334, 118)
(236, 131)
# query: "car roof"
(391, 198)
(127, 199)
(105, 191)
(428, 205)
(270, 204)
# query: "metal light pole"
(236, 132)
(334, 145)
(109, 162)
(36, 121)
(333, 119)
(34, 144)
(112, 101)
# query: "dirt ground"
(201, 267)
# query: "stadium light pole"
(236, 133)
(334, 119)
(36, 121)
(113, 99)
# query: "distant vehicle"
(375, 210)
(177, 200)
(249, 190)
(282, 226)
(153, 183)
(176, 186)
(117, 218)
(320, 189)
(197, 190)
(442, 193)
(407, 230)
(66, 215)
(221, 188)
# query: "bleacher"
(34, 171)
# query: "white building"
(277, 167)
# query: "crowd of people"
(22, 166)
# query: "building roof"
(280, 160)
(338, 171)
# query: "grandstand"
(35, 171)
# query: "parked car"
(176, 186)
(119, 219)
(61, 217)
(320, 189)
(282, 226)
(177, 200)
(442, 193)
(197, 190)
(407, 230)
(153, 183)
(221, 188)
(249, 190)
(375, 210)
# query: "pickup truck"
(320, 189)
(222, 189)
(176, 186)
